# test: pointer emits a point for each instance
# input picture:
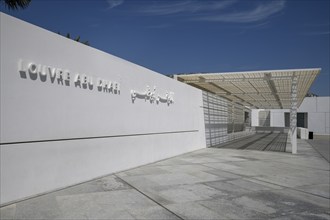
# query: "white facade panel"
(327, 123)
(29, 169)
(308, 105)
(277, 118)
(316, 122)
(255, 117)
(55, 133)
(323, 104)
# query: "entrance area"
(266, 141)
(302, 119)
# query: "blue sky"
(189, 36)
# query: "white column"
(293, 115)
(233, 115)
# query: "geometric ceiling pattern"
(271, 89)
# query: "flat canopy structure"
(271, 89)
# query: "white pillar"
(233, 115)
(293, 115)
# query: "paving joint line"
(317, 151)
(302, 168)
(272, 141)
(254, 141)
(253, 177)
(149, 197)
(294, 189)
(222, 145)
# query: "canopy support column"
(233, 116)
(293, 115)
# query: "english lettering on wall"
(43, 73)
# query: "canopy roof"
(271, 89)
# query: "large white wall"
(54, 135)
(318, 109)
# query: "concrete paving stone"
(153, 193)
(303, 162)
(318, 189)
(103, 205)
(303, 216)
(173, 179)
(314, 176)
(168, 193)
(233, 159)
(224, 175)
(258, 168)
(154, 213)
(246, 158)
(230, 210)
(257, 205)
(293, 180)
(106, 183)
(201, 159)
(261, 167)
(222, 166)
(42, 207)
(186, 168)
(147, 170)
(189, 193)
(288, 202)
(88, 187)
(245, 173)
(282, 180)
(193, 210)
(206, 177)
(246, 184)
(230, 189)
(139, 181)
(268, 155)
(269, 185)
(319, 148)
(119, 197)
(8, 212)
(321, 144)
(308, 198)
(94, 212)
(171, 161)
(112, 182)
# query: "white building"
(71, 113)
(313, 114)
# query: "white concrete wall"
(54, 135)
(318, 109)
(255, 117)
(277, 118)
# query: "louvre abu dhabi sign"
(65, 77)
(43, 73)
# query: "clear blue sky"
(197, 36)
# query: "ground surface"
(212, 183)
(259, 141)
(321, 144)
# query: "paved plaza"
(265, 141)
(212, 183)
(321, 145)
